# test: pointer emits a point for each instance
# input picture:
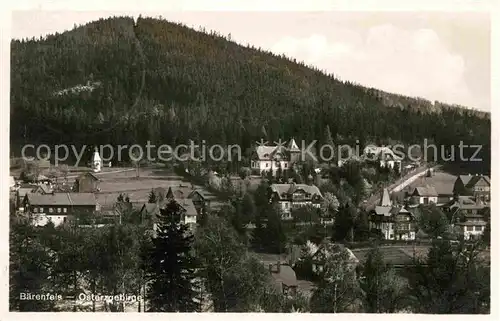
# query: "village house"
(25, 189)
(386, 156)
(284, 278)
(467, 212)
(58, 207)
(473, 185)
(424, 195)
(270, 158)
(432, 183)
(292, 196)
(86, 183)
(394, 222)
(199, 201)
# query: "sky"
(436, 55)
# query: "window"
(479, 228)
(470, 228)
(286, 205)
(41, 209)
(286, 165)
(51, 210)
(58, 210)
(426, 200)
(35, 209)
(267, 165)
(65, 210)
(65, 219)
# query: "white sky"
(435, 55)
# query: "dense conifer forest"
(116, 81)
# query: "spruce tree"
(374, 268)
(152, 197)
(171, 266)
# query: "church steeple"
(386, 200)
(96, 161)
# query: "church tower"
(96, 161)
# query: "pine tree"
(152, 197)
(374, 268)
(170, 265)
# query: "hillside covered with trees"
(116, 81)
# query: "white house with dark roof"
(424, 195)
(385, 156)
(58, 207)
(291, 196)
(271, 158)
(473, 185)
(394, 222)
(467, 212)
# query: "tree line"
(166, 83)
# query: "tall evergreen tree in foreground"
(170, 265)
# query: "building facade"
(477, 186)
(394, 222)
(292, 196)
(272, 158)
(424, 195)
(58, 207)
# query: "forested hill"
(113, 81)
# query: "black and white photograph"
(324, 162)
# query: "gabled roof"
(196, 191)
(265, 152)
(428, 191)
(89, 174)
(45, 189)
(381, 152)
(471, 180)
(151, 208)
(188, 206)
(281, 189)
(174, 194)
(69, 199)
(286, 274)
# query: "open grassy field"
(137, 188)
